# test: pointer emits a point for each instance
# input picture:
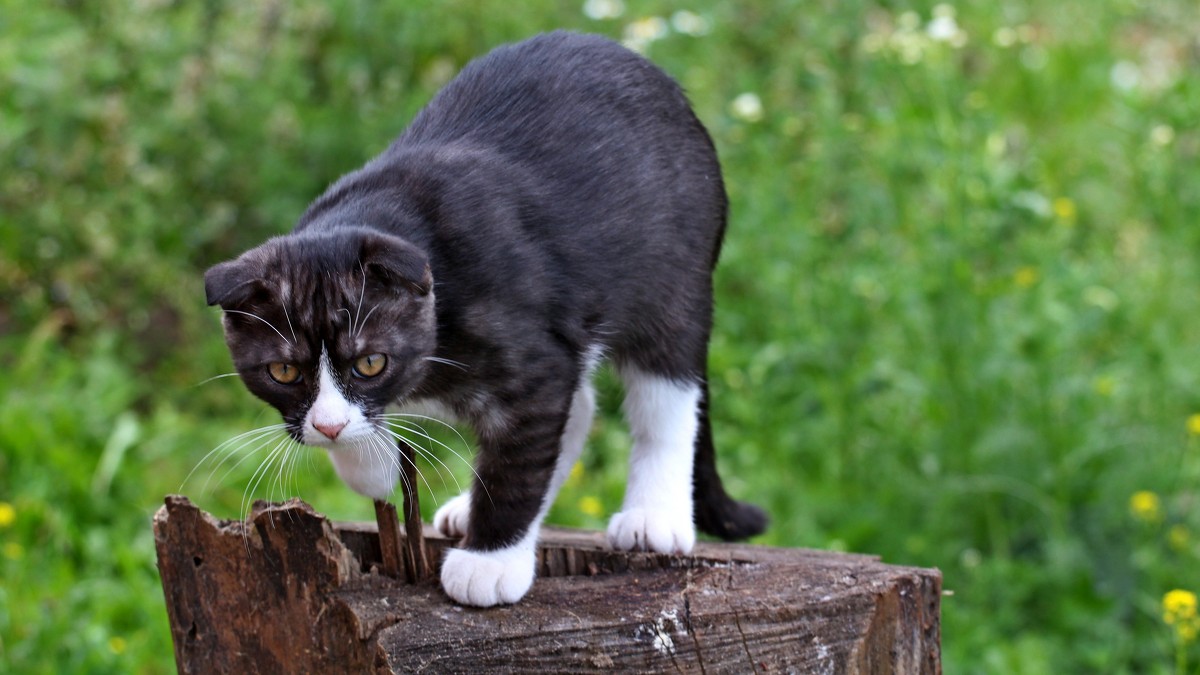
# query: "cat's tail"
(714, 511)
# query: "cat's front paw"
(452, 518)
(658, 530)
(488, 578)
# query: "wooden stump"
(289, 592)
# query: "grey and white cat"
(557, 204)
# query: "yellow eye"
(370, 365)
(284, 373)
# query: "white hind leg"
(657, 512)
(579, 425)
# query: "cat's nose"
(331, 431)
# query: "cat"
(557, 204)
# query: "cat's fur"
(556, 204)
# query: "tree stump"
(288, 591)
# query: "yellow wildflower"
(1064, 209)
(1193, 424)
(1179, 611)
(117, 644)
(1179, 605)
(1026, 276)
(591, 506)
(1146, 506)
(7, 514)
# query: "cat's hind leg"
(451, 518)
(657, 512)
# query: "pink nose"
(331, 431)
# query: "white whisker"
(448, 362)
(387, 458)
(224, 445)
(279, 477)
(295, 450)
(364, 321)
(248, 436)
(401, 456)
(214, 377)
(426, 453)
(387, 453)
(396, 419)
(348, 318)
(300, 452)
(259, 474)
(262, 443)
(430, 457)
(289, 321)
(361, 294)
(424, 418)
(255, 316)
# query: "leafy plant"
(957, 323)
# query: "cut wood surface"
(289, 591)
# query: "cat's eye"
(284, 373)
(370, 365)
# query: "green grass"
(959, 305)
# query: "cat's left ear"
(396, 263)
(231, 283)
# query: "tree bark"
(289, 591)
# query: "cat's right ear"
(396, 263)
(231, 283)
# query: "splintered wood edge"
(571, 552)
(363, 539)
(556, 536)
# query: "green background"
(959, 307)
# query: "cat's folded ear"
(395, 263)
(232, 283)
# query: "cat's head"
(329, 328)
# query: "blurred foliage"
(957, 325)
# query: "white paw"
(452, 518)
(658, 530)
(487, 578)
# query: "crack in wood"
(737, 620)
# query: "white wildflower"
(1125, 75)
(689, 23)
(1162, 135)
(747, 107)
(1004, 37)
(640, 33)
(598, 10)
(944, 28)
